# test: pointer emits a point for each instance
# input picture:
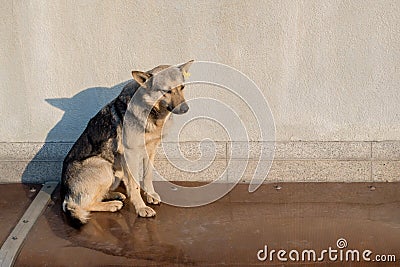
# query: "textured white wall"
(329, 69)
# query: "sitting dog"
(98, 161)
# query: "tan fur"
(89, 179)
(95, 169)
(76, 211)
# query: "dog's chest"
(157, 130)
(154, 135)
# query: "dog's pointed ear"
(185, 66)
(141, 77)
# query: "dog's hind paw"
(153, 198)
(115, 205)
(115, 196)
(146, 212)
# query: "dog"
(117, 140)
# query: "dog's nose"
(184, 108)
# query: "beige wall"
(329, 69)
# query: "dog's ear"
(185, 66)
(141, 77)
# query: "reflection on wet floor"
(228, 232)
(14, 200)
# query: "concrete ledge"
(386, 171)
(29, 171)
(303, 150)
(202, 171)
(192, 150)
(309, 171)
(34, 151)
(387, 150)
(293, 161)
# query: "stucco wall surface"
(329, 69)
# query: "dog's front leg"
(133, 187)
(151, 196)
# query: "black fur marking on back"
(96, 139)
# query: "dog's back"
(102, 129)
(99, 140)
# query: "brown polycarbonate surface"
(14, 200)
(228, 232)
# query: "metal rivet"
(372, 188)
(277, 187)
(14, 238)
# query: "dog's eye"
(167, 91)
(182, 87)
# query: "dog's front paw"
(153, 198)
(146, 212)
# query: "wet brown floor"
(228, 232)
(14, 200)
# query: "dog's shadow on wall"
(78, 110)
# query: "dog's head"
(164, 86)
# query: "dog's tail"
(76, 213)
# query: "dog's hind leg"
(113, 205)
(89, 182)
(114, 196)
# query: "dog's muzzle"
(181, 109)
